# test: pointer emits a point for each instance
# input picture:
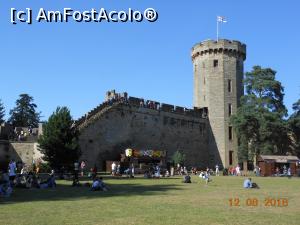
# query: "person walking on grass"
(207, 177)
(217, 170)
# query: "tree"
(2, 112)
(294, 125)
(59, 142)
(178, 157)
(24, 114)
(259, 122)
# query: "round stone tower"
(218, 74)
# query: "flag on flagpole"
(221, 19)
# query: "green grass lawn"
(155, 201)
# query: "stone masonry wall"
(125, 126)
(26, 152)
(216, 64)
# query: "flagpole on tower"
(220, 19)
(217, 28)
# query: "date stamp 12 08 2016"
(267, 202)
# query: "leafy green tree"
(178, 157)
(2, 112)
(259, 122)
(24, 114)
(59, 142)
(294, 124)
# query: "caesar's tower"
(218, 74)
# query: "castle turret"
(218, 75)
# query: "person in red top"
(94, 172)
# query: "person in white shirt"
(23, 171)
(113, 168)
(217, 170)
(238, 170)
(201, 175)
(132, 170)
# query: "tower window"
(229, 86)
(229, 109)
(204, 80)
(203, 65)
(216, 63)
(230, 133)
(237, 65)
(204, 97)
(230, 157)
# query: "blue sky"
(74, 64)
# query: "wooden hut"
(269, 163)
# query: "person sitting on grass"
(29, 179)
(249, 184)
(20, 181)
(5, 187)
(98, 185)
(5, 190)
(201, 174)
(50, 182)
(147, 174)
(187, 179)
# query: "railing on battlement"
(21, 134)
(196, 112)
(141, 103)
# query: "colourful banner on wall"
(144, 153)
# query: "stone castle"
(203, 133)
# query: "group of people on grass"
(116, 170)
(97, 182)
(154, 171)
(235, 171)
(206, 175)
(283, 171)
(10, 179)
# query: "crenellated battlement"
(140, 103)
(223, 46)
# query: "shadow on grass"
(128, 178)
(66, 192)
